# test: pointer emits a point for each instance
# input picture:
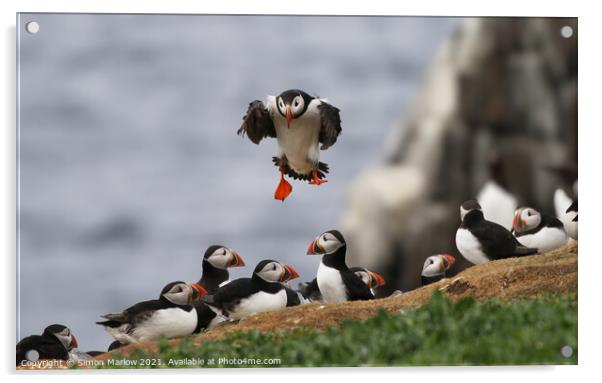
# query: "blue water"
(130, 166)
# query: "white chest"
(170, 323)
(299, 143)
(331, 284)
(470, 247)
(546, 239)
(258, 303)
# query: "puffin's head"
(468, 206)
(274, 271)
(437, 264)
(181, 293)
(525, 218)
(63, 334)
(326, 243)
(223, 257)
(370, 278)
(292, 104)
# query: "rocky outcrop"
(501, 85)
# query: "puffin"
(300, 123)
(370, 278)
(216, 261)
(262, 292)
(310, 290)
(171, 316)
(571, 222)
(497, 202)
(480, 241)
(54, 343)
(336, 281)
(533, 229)
(435, 267)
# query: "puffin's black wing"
(257, 123)
(46, 348)
(134, 314)
(498, 242)
(357, 290)
(331, 125)
(228, 296)
(292, 298)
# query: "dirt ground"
(509, 279)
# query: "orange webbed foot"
(315, 180)
(284, 189)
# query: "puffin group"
(300, 123)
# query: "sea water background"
(129, 162)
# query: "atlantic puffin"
(480, 241)
(370, 278)
(262, 292)
(336, 282)
(216, 261)
(300, 123)
(171, 316)
(533, 229)
(571, 224)
(435, 267)
(310, 290)
(55, 343)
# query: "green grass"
(529, 331)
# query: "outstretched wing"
(257, 123)
(331, 125)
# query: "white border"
(590, 163)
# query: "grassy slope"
(504, 325)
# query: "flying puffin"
(55, 343)
(336, 281)
(533, 229)
(170, 316)
(571, 224)
(480, 241)
(300, 123)
(435, 267)
(370, 278)
(262, 292)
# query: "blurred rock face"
(502, 86)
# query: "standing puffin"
(216, 261)
(370, 278)
(480, 241)
(55, 343)
(435, 267)
(336, 281)
(171, 315)
(262, 292)
(300, 123)
(533, 229)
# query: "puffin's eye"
(528, 213)
(274, 267)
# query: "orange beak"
(376, 279)
(314, 248)
(292, 272)
(518, 223)
(450, 260)
(73, 343)
(288, 116)
(237, 261)
(200, 289)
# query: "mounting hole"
(32, 27)
(566, 31)
(566, 351)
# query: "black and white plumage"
(370, 278)
(310, 290)
(435, 267)
(480, 241)
(216, 261)
(533, 229)
(497, 202)
(171, 316)
(262, 292)
(54, 343)
(337, 283)
(300, 123)
(572, 217)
